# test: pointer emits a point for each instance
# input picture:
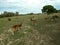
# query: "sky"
(26, 6)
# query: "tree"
(17, 13)
(48, 9)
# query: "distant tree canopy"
(8, 14)
(48, 9)
(17, 13)
(30, 13)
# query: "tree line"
(48, 9)
(8, 14)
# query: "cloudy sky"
(27, 6)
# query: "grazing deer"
(53, 18)
(17, 26)
(46, 18)
(32, 19)
(9, 19)
(14, 27)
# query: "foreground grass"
(42, 33)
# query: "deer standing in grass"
(15, 28)
(53, 18)
(33, 20)
(9, 19)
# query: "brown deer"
(14, 26)
(54, 18)
(32, 19)
(46, 18)
(9, 19)
(17, 26)
(20, 25)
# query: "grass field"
(43, 32)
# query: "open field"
(42, 32)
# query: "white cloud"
(31, 5)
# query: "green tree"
(48, 9)
(17, 13)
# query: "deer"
(20, 25)
(54, 18)
(17, 26)
(46, 18)
(9, 19)
(32, 19)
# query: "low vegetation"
(34, 30)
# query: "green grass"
(43, 33)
